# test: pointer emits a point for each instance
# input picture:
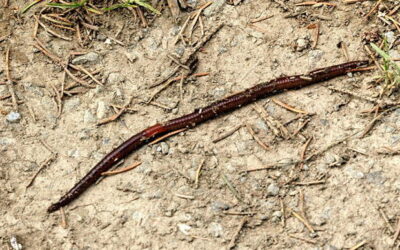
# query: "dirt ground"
(348, 190)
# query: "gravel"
(91, 57)
(13, 117)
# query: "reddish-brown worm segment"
(215, 109)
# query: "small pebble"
(184, 228)
(91, 57)
(13, 117)
(272, 189)
(219, 206)
(132, 57)
(88, 117)
(101, 110)
(302, 44)
(164, 148)
(215, 229)
(115, 77)
(390, 37)
(14, 243)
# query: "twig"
(9, 81)
(303, 239)
(300, 218)
(300, 127)
(198, 171)
(386, 219)
(231, 187)
(358, 245)
(329, 146)
(309, 183)
(272, 122)
(288, 107)
(117, 115)
(240, 213)
(121, 170)
(191, 54)
(258, 140)
(196, 18)
(372, 123)
(183, 196)
(63, 218)
(47, 146)
(272, 166)
(43, 166)
(167, 135)
(181, 31)
(232, 243)
(227, 134)
(283, 217)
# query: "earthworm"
(201, 115)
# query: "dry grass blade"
(122, 170)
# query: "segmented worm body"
(201, 115)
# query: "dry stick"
(303, 151)
(40, 46)
(82, 69)
(167, 135)
(122, 170)
(231, 188)
(178, 62)
(183, 196)
(47, 146)
(4, 97)
(227, 134)
(345, 51)
(187, 59)
(329, 146)
(52, 32)
(283, 218)
(9, 81)
(309, 183)
(373, 9)
(353, 1)
(198, 171)
(394, 10)
(362, 243)
(116, 116)
(386, 219)
(166, 85)
(372, 123)
(181, 87)
(272, 122)
(302, 239)
(271, 166)
(288, 107)
(396, 235)
(63, 218)
(196, 18)
(344, 91)
(57, 97)
(201, 26)
(300, 127)
(43, 166)
(236, 235)
(240, 213)
(300, 218)
(303, 210)
(260, 19)
(181, 31)
(258, 140)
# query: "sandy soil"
(144, 208)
